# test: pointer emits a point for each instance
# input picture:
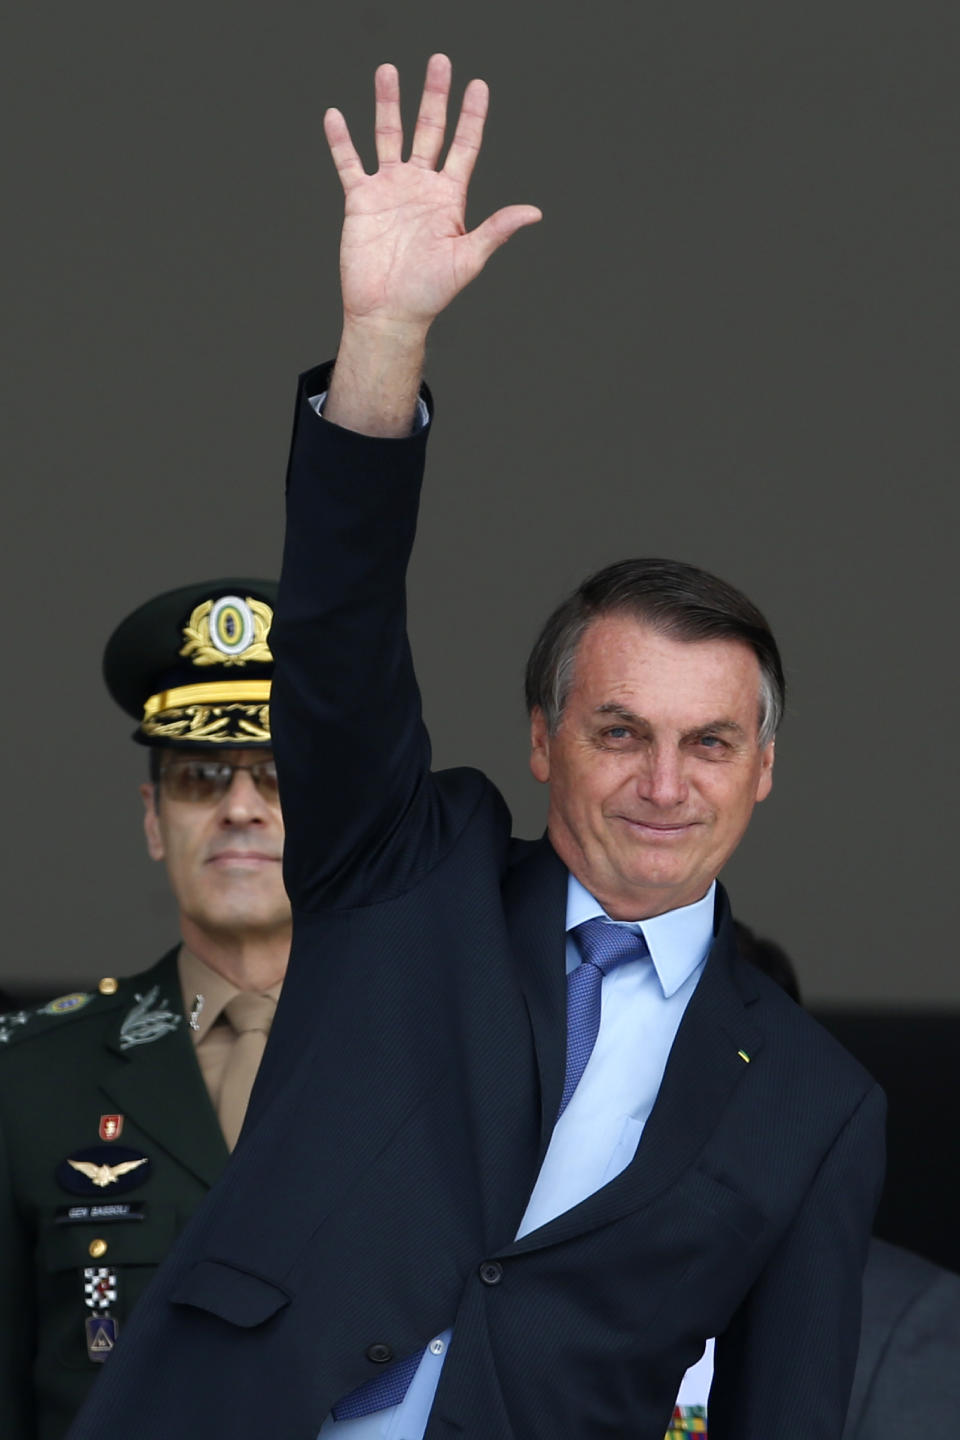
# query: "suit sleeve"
(915, 1386)
(352, 752)
(785, 1365)
(18, 1317)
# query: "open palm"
(405, 251)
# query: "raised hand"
(405, 250)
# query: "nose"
(243, 804)
(661, 780)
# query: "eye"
(617, 737)
(713, 743)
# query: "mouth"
(251, 858)
(658, 831)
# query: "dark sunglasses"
(205, 782)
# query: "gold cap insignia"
(228, 631)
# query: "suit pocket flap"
(727, 1204)
(235, 1295)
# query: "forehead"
(625, 662)
(231, 755)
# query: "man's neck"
(249, 960)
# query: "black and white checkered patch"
(99, 1288)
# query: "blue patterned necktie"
(383, 1390)
(603, 947)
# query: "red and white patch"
(111, 1127)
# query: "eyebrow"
(710, 727)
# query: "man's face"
(655, 768)
(223, 857)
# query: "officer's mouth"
(252, 858)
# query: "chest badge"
(100, 1290)
(111, 1127)
(99, 1171)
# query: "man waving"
(527, 1130)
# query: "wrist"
(384, 334)
(376, 377)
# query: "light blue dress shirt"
(642, 1004)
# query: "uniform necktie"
(251, 1015)
(603, 947)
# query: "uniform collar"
(678, 940)
(197, 978)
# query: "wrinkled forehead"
(625, 662)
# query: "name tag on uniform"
(83, 1214)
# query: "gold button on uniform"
(107, 986)
(97, 1248)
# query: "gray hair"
(674, 599)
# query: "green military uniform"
(86, 1067)
(108, 1136)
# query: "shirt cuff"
(421, 419)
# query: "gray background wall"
(733, 339)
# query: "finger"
(469, 133)
(432, 119)
(497, 230)
(342, 151)
(388, 126)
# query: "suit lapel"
(535, 898)
(702, 1072)
(158, 1085)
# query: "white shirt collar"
(678, 940)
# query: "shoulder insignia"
(9, 1024)
(64, 1004)
(149, 1019)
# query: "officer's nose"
(243, 804)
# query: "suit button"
(491, 1272)
(379, 1354)
(97, 1249)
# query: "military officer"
(119, 1103)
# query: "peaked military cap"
(193, 666)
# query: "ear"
(539, 746)
(151, 822)
(765, 780)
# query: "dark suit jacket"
(59, 1073)
(907, 1382)
(411, 1082)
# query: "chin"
(228, 918)
(674, 889)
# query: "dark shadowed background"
(732, 340)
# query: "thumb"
(497, 229)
